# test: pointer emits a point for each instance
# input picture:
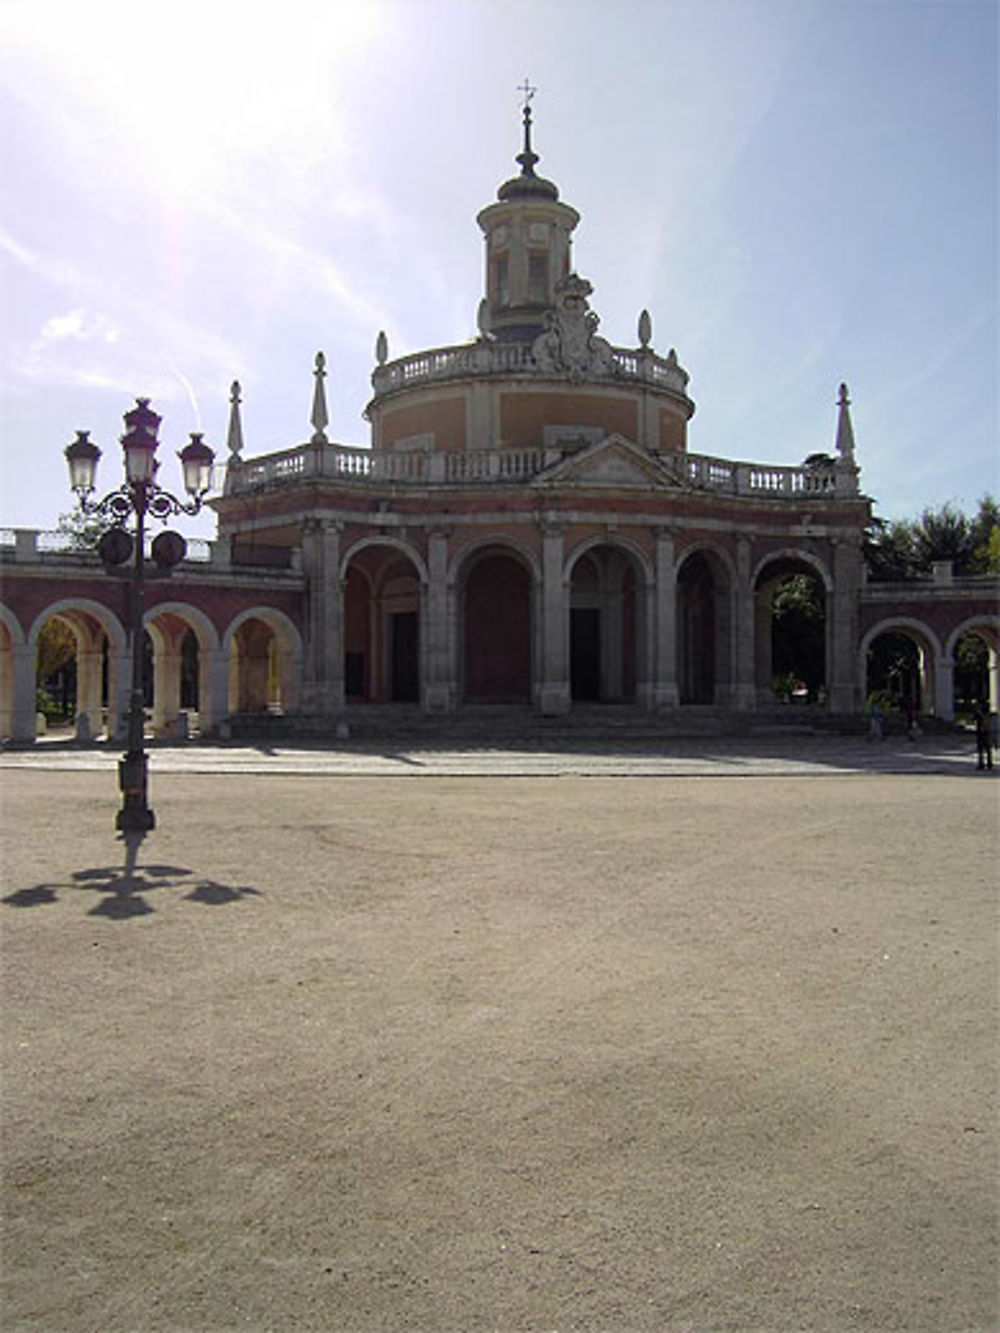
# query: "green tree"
(984, 537)
(82, 530)
(889, 550)
(942, 534)
(798, 632)
(908, 548)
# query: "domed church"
(529, 526)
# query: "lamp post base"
(135, 816)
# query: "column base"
(554, 700)
(438, 699)
(324, 700)
(664, 698)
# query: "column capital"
(317, 523)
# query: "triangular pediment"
(613, 461)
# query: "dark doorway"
(585, 652)
(405, 685)
(498, 631)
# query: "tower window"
(500, 281)
(538, 278)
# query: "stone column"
(744, 694)
(323, 668)
(119, 692)
(844, 690)
(88, 688)
(23, 711)
(213, 690)
(944, 688)
(440, 689)
(553, 661)
(166, 690)
(664, 692)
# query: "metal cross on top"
(528, 91)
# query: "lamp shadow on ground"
(123, 887)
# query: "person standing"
(984, 746)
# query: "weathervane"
(527, 157)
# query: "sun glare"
(193, 85)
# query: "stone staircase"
(505, 726)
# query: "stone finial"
(845, 430)
(381, 348)
(645, 329)
(319, 418)
(234, 438)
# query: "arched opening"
(703, 629)
(790, 639)
(175, 672)
(496, 627)
(382, 605)
(74, 680)
(899, 668)
(976, 675)
(603, 652)
(260, 669)
(898, 673)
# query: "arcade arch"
(791, 627)
(974, 648)
(495, 587)
(899, 661)
(185, 652)
(383, 612)
(102, 663)
(607, 623)
(264, 652)
(704, 628)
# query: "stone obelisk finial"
(234, 437)
(845, 430)
(319, 419)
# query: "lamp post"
(139, 495)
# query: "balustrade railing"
(489, 358)
(476, 466)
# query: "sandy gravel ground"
(529, 1055)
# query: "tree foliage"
(798, 634)
(83, 530)
(908, 548)
(56, 647)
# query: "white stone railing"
(511, 465)
(53, 546)
(496, 358)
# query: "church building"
(529, 524)
(528, 527)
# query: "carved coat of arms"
(570, 344)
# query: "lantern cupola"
(528, 239)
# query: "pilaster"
(844, 691)
(744, 630)
(323, 674)
(553, 666)
(22, 719)
(440, 688)
(664, 692)
(213, 691)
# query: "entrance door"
(585, 652)
(405, 683)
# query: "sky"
(799, 193)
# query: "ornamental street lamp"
(138, 495)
